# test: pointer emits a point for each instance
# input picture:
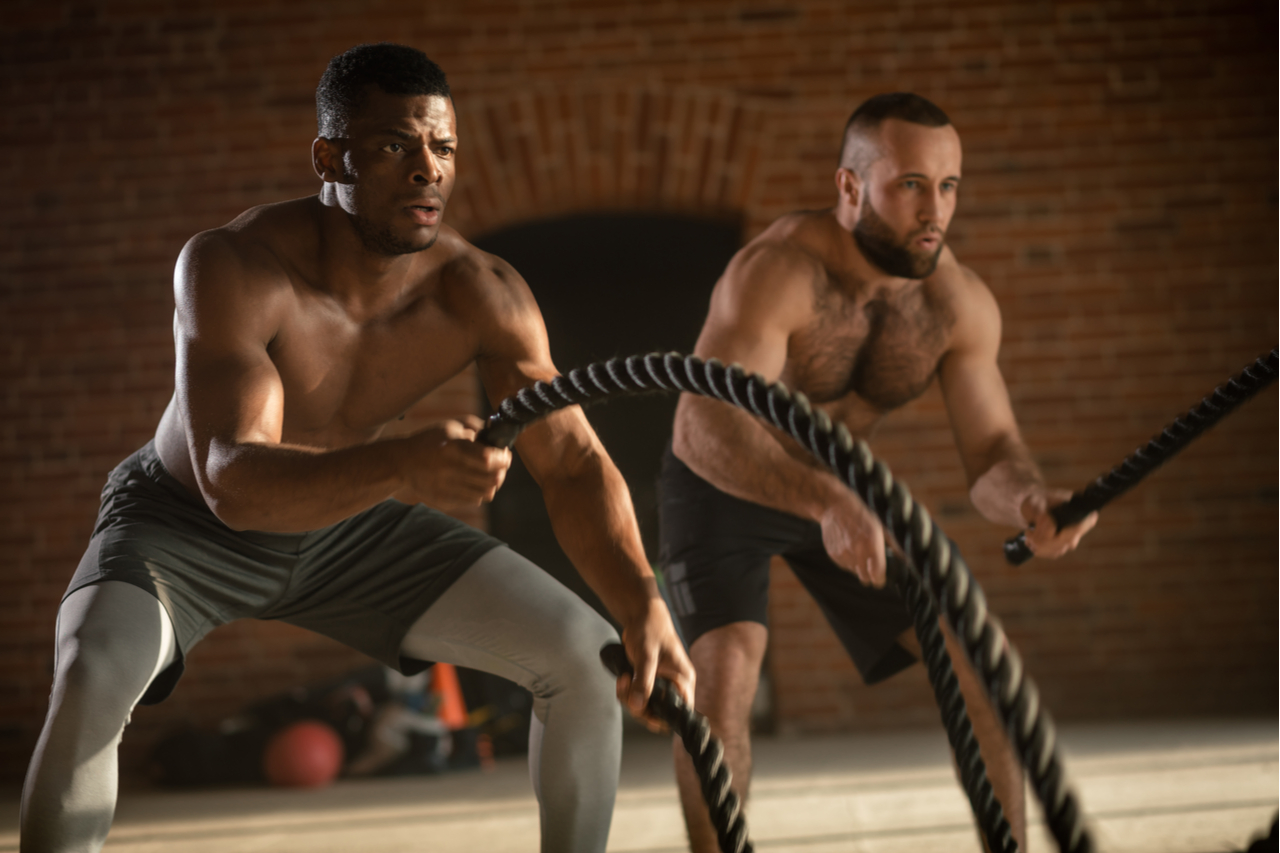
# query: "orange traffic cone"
(451, 709)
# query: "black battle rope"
(928, 550)
(1224, 400)
(955, 716)
(707, 752)
(704, 748)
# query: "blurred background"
(1119, 198)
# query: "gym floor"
(1166, 787)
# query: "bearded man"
(859, 306)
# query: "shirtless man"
(858, 306)
(302, 329)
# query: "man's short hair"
(905, 106)
(393, 68)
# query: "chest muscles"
(877, 354)
(343, 381)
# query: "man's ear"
(848, 187)
(326, 159)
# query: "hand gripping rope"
(1224, 400)
(932, 558)
(704, 748)
(707, 752)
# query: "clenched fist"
(445, 468)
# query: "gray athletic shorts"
(363, 581)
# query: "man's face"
(908, 198)
(398, 170)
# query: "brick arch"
(533, 153)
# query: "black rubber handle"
(1016, 551)
(498, 432)
(664, 697)
(664, 702)
(614, 658)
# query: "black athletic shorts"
(363, 581)
(715, 552)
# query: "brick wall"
(1119, 199)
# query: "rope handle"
(1221, 402)
(1016, 548)
(704, 748)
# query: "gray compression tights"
(508, 617)
(112, 639)
(504, 615)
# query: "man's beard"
(879, 246)
(381, 240)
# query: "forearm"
(1000, 492)
(290, 488)
(740, 456)
(595, 524)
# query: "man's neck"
(868, 278)
(365, 282)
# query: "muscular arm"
(1004, 482)
(587, 500)
(765, 296)
(231, 402)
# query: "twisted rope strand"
(930, 554)
(955, 717)
(706, 750)
(1221, 402)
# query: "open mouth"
(424, 214)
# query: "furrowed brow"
(923, 177)
(413, 137)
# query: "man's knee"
(572, 647)
(106, 676)
(727, 660)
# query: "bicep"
(755, 308)
(514, 353)
(976, 396)
(231, 395)
(512, 350)
(230, 390)
(763, 298)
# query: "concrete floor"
(1198, 787)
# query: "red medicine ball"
(306, 754)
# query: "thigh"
(868, 621)
(364, 581)
(715, 551)
(728, 660)
(114, 634)
(506, 616)
(709, 590)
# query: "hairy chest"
(865, 358)
(343, 381)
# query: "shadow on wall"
(610, 284)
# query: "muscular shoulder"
(478, 284)
(968, 300)
(486, 294)
(775, 277)
(240, 272)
